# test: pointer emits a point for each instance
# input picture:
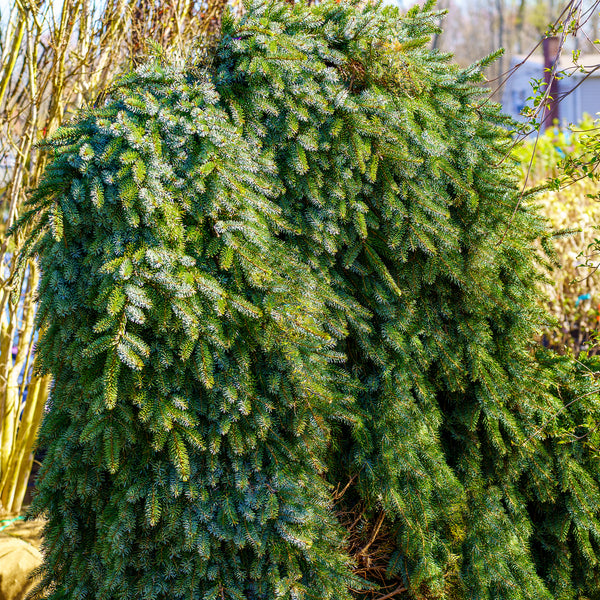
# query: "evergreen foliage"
(302, 261)
(193, 386)
(565, 511)
(395, 172)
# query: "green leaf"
(116, 301)
(98, 346)
(110, 380)
(139, 171)
(153, 508)
(56, 222)
(126, 269)
(204, 364)
(112, 450)
(129, 357)
(178, 455)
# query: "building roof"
(590, 63)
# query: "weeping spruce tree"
(298, 262)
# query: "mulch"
(19, 555)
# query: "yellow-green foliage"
(574, 295)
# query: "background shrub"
(573, 290)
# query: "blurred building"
(578, 92)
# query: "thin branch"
(399, 590)
(554, 415)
